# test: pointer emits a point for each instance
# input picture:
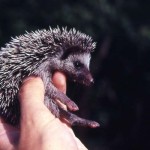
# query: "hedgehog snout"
(89, 79)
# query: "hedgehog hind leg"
(74, 120)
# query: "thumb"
(31, 96)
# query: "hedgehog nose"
(90, 79)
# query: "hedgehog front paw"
(67, 101)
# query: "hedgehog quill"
(41, 53)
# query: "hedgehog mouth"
(87, 83)
(83, 82)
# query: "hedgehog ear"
(69, 51)
(56, 40)
(44, 42)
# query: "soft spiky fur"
(41, 53)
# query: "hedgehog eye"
(78, 64)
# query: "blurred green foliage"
(119, 99)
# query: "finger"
(32, 89)
(59, 80)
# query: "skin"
(42, 133)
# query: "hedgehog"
(41, 53)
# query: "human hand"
(39, 129)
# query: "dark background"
(119, 99)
